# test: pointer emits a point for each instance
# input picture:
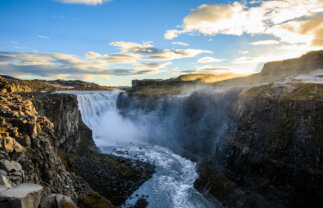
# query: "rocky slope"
(13, 85)
(44, 141)
(28, 150)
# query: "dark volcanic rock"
(113, 177)
(62, 109)
(259, 147)
(141, 203)
(271, 149)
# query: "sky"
(112, 42)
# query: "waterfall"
(143, 129)
(99, 112)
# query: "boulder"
(62, 199)
(3, 172)
(4, 181)
(25, 195)
(11, 145)
(10, 165)
(48, 201)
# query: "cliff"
(32, 148)
(74, 137)
(256, 147)
(269, 156)
(120, 177)
(44, 141)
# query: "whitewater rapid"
(171, 185)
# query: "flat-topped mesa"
(154, 82)
(184, 79)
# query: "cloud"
(91, 55)
(133, 59)
(171, 34)
(265, 42)
(55, 65)
(312, 27)
(209, 60)
(243, 52)
(17, 46)
(209, 69)
(247, 59)
(150, 53)
(87, 2)
(180, 43)
(271, 17)
(43, 37)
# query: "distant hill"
(11, 84)
(186, 79)
(271, 72)
(208, 78)
(278, 70)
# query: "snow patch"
(312, 77)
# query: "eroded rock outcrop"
(74, 137)
(25, 195)
(28, 150)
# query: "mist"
(184, 123)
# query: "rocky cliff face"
(73, 135)
(112, 177)
(271, 154)
(32, 148)
(44, 141)
(257, 147)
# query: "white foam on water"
(172, 183)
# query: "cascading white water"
(172, 184)
(100, 113)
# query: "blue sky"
(127, 39)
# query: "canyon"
(244, 142)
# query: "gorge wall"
(272, 150)
(50, 145)
(257, 147)
(113, 177)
